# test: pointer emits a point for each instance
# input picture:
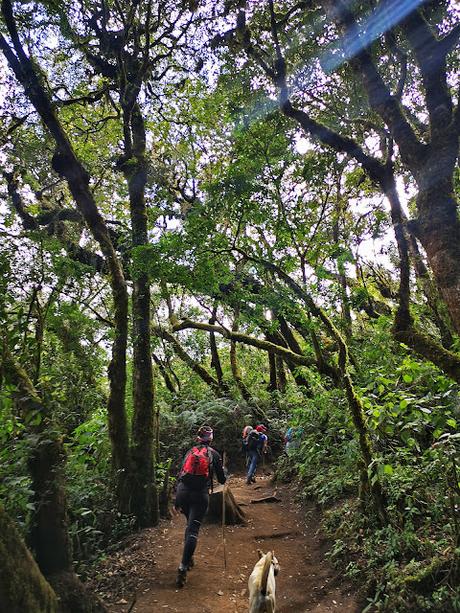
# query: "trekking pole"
(224, 489)
(223, 525)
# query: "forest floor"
(141, 577)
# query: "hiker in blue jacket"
(200, 463)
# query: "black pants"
(193, 504)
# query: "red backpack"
(196, 469)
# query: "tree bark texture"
(23, 588)
(234, 514)
(236, 372)
(281, 374)
(49, 537)
(143, 494)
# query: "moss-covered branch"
(185, 357)
(238, 337)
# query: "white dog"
(261, 584)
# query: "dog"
(261, 584)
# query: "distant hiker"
(264, 438)
(244, 443)
(257, 442)
(200, 463)
(292, 438)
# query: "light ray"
(385, 17)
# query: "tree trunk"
(23, 588)
(273, 384)
(215, 359)
(234, 514)
(67, 165)
(49, 528)
(49, 536)
(301, 381)
(438, 229)
(437, 308)
(236, 372)
(143, 488)
(281, 374)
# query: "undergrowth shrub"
(179, 424)
(412, 564)
(96, 526)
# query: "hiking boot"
(253, 479)
(181, 578)
(191, 564)
(249, 481)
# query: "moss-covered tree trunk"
(236, 372)
(144, 498)
(23, 588)
(281, 374)
(49, 537)
(215, 358)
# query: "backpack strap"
(211, 471)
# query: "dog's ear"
(261, 553)
(276, 565)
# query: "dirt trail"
(305, 583)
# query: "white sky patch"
(303, 145)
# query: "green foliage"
(95, 523)
(180, 423)
(227, 192)
(412, 411)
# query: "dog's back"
(262, 586)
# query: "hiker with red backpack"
(200, 463)
(256, 445)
